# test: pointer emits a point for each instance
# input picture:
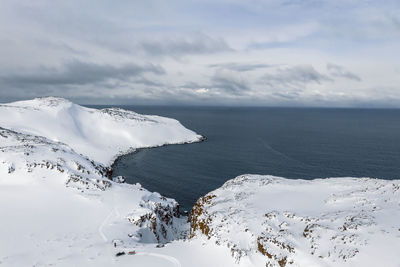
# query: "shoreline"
(137, 150)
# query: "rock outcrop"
(159, 217)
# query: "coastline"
(137, 150)
(250, 220)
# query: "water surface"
(287, 142)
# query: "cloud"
(229, 81)
(339, 71)
(180, 46)
(223, 51)
(80, 73)
(223, 82)
(202, 91)
(282, 35)
(240, 66)
(296, 76)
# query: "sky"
(338, 53)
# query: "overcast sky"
(343, 53)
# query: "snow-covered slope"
(274, 221)
(100, 135)
(22, 155)
(60, 207)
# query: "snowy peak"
(50, 101)
(42, 102)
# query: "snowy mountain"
(61, 206)
(322, 222)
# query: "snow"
(100, 135)
(321, 222)
(59, 205)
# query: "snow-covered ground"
(322, 222)
(60, 205)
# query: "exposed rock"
(119, 179)
(199, 221)
(161, 216)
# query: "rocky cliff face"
(336, 221)
(160, 218)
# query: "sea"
(295, 143)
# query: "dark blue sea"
(288, 142)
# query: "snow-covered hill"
(283, 222)
(100, 135)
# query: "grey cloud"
(396, 22)
(229, 81)
(194, 85)
(201, 44)
(339, 71)
(147, 82)
(288, 95)
(223, 81)
(295, 76)
(240, 67)
(79, 73)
